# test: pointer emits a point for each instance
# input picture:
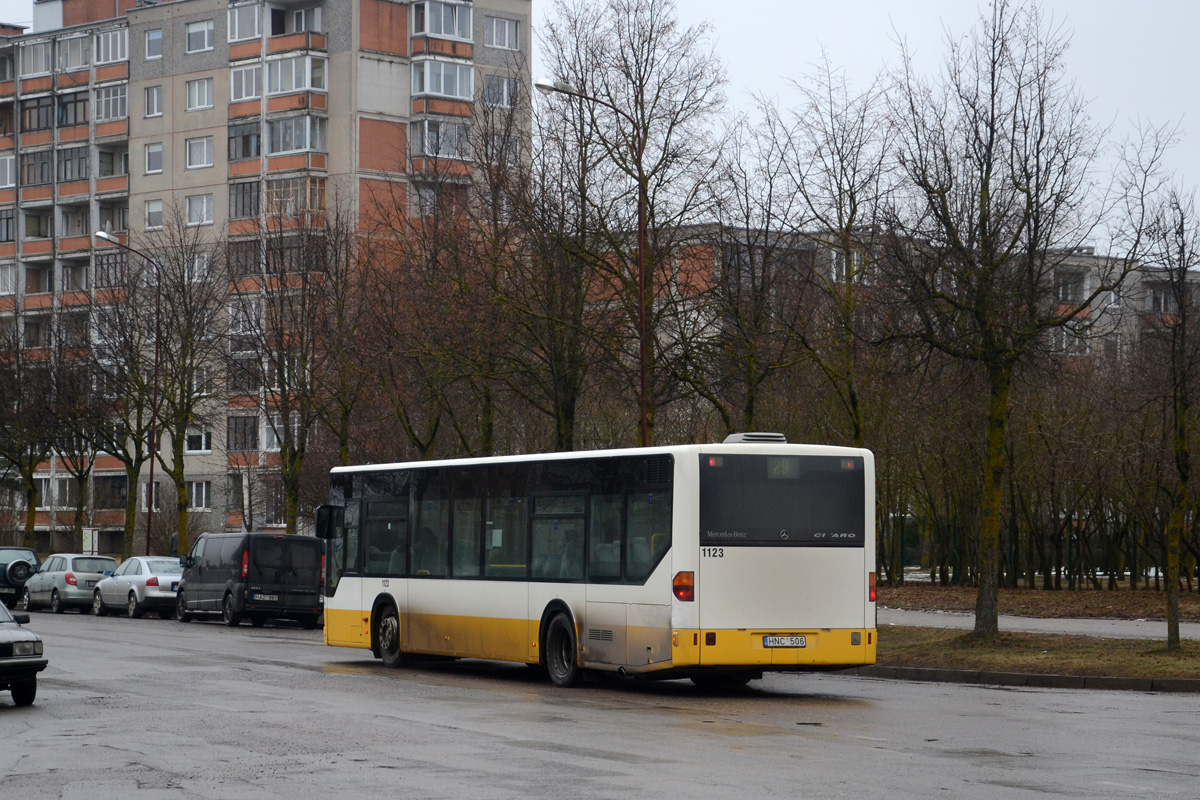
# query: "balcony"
(305, 40)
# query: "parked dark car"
(21, 657)
(255, 576)
(16, 565)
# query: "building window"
(199, 209)
(112, 269)
(114, 218)
(199, 152)
(243, 141)
(8, 226)
(6, 68)
(73, 164)
(37, 59)
(295, 74)
(440, 139)
(200, 94)
(242, 434)
(8, 171)
(290, 195)
(294, 134)
(198, 495)
(72, 109)
(154, 101)
(243, 256)
(154, 44)
(8, 272)
(154, 214)
(501, 33)
(198, 440)
(442, 19)
(37, 114)
(154, 158)
(110, 491)
(443, 78)
(500, 92)
(36, 168)
(200, 36)
(112, 162)
(152, 491)
(76, 221)
(110, 46)
(306, 19)
(73, 53)
(243, 23)
(39, 226)
(245, 83)
(243, 200)
(110, 102)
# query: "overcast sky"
(1134, 59)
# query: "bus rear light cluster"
(684, 586)
(871, 587)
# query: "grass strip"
(1035, 653)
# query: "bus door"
(346, 621)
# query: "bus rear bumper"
(774, 649)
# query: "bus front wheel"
(389, 638)
(561, 651)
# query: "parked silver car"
(67, 579)
(140, 584)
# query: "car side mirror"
(185, 561)
(22, 619)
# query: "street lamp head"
(105, 236)
(548, 85)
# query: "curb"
(1028, 680)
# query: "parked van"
(256, 576)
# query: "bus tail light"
(684, 586)
(246, 564)
(871, 587)
(152, 580)
(322, 569)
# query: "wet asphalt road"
(153, 708)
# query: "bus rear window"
(782, 500)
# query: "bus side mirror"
(329, 521)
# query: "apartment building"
(120, 116)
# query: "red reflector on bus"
(684, 586)
(871, 589)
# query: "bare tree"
(1172, 346)
(645, 91)
(995, 166)
(26, 405)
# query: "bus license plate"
(783, 641)
(266, 597)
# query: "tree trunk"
(986, 605)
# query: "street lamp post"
(547, 87)
(153, 498)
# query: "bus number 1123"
(712, 552)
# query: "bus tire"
(562, 652)
(388, 635)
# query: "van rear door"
(284, 573)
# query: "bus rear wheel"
(389, 638)
(562, 652)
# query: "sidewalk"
(1101, 628)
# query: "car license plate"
(91, 584)
(784, 641)
(265, 597)
(175, 586)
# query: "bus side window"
(430, 544)
(648, 516)
(604, 545)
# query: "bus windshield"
(782, 500)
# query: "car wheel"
(132, 607)
(561, 652)
(98, 607)
(181, 611)
(229, 614)
(26, 601)
(56, 603)
(23, 693)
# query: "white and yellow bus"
(713, 562)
